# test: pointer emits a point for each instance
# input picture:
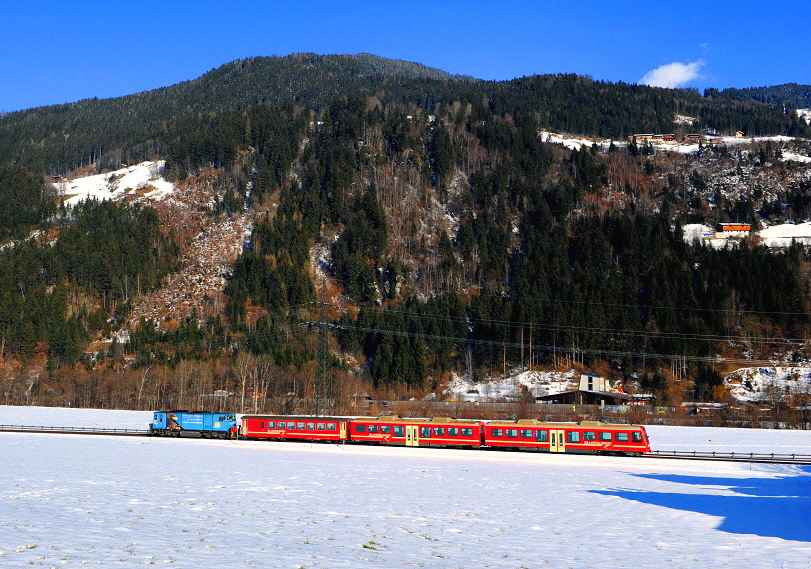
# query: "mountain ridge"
(59, 138)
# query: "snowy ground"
(141, 180)
(115, 501)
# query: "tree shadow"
(768, 507)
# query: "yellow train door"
(412, 436)
(557, 442)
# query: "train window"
(322, 426)
(425, 432)
(589, 436)
(385, 429)
(372, 428)
(541, 436)
(622, 437)
(572, 437)
(331, 426)
(497, 433)
(605, 436)
(310, 426)
(453, 432)
(636, 437)
(399, 430)
(467, 432)
(526, 433)
(282, 425)
(300, 426)
(261, 424)
(439, 431)
(512, 433)
(271, 424)
(360, 428)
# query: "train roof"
(298, 417)
(398, 419)
(445, 420)
(561, 425)
(201, 412)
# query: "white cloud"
(673, 74)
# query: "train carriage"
(586, 436)
(303, 428)
(524, 434)
(439, 431)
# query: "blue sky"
(64, 51)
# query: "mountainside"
(325, 225)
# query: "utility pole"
(322, 384)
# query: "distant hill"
(59, 138)
(792, 93)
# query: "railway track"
(74, 430)
(770, 458)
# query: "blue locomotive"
(203, 424)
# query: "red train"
(524, 434)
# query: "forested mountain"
(61, 138)
(405, 224)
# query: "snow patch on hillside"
(693, 231)
(794, 157)
(765, 383)
(575, 142)
(140, 181)
(783, 234)
(804, 114)
(511, 388)
(578, 142)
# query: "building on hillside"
(602, 398)
(594, 382)
(651, 138)
(596, 390)
(727, 230)
(693, 138)
(696, 407)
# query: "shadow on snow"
(768, 507)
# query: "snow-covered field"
(116, 501)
